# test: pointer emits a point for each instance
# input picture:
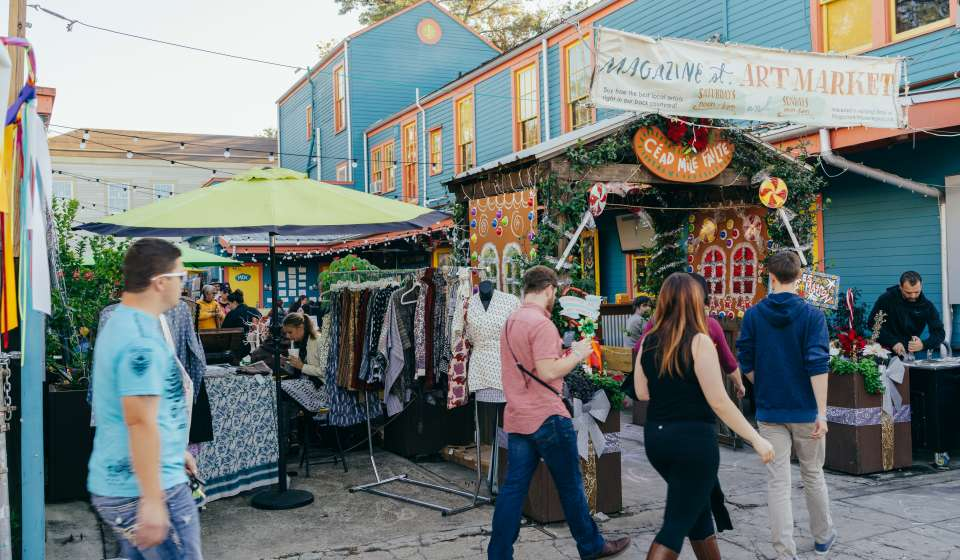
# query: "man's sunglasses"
(181, 275)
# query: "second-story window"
(389, 167)
(63, 189)
(376, 169)
(847, 24)
(466, 134)
(528, 113)
(577, 60)
(409, 161)
(163, 190)
(118, 199)
(914, 16)
(436, 151)
(339, 99)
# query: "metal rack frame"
(375, 487)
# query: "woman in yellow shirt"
(210, 314)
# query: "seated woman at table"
(299, 329)
(210, 312)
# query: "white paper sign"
(694, 79)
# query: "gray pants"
(811, 453)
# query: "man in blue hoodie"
(784, 350)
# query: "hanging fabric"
(458, 393)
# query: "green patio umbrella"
(275, 201)
(191, 258)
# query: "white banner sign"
(688, 78)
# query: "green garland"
(872, 380)
(566, 203)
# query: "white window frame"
(159, 185)
(61, 182)
(126, 192)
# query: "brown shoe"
(706, 549)
(612, 548)
(660, 552)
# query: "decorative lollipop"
(773, 194)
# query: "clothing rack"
(375, 487)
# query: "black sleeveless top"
(672, 398)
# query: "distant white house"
(112, 171)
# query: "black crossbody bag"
(565, 400)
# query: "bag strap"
(525, 370)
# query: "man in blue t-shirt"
(784, 350)
(138, 469)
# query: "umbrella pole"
(280, 497)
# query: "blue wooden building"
(479, 107)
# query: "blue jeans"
(556, 443)
(183, 542)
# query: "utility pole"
(32, 514)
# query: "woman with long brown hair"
(678, 371)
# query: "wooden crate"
(617, 358)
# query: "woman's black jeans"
(687, 456)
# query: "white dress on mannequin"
(483, 329)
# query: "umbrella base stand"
(275, 499)
(375, 487)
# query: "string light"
(182, 145)
(129, 154)
(226, 153)
(135, 139)
(270, 158)
(86, 135)
(83, 144)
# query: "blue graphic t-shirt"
(131, 358)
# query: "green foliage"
(872, 381)
(84, 291)
(611, 387)
(349, 263)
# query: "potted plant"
(87, 279)
(863, 438)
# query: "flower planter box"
(68, 443)
(855, 440)
(543, 501)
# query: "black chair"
(314, 422)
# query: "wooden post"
(16, 27)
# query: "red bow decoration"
(676, 130)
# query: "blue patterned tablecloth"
(243, 453)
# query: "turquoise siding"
(333, 145)
(931, 55)
(493, 99)
(613, 267)
(389, 63)
(441, 115)
(873, 232)
(293, 131)
(555, 101)
(748, 22)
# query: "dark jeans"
(556, 443)
(687, 456)
(183, 542)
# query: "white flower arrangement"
(874, 349)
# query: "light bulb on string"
(129, 154)
(270, 158)
(182, 145)
(226, 153)
(83, 144)
(135, 139)
(86, 134)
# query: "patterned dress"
(483, 330)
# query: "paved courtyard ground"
(904, 516)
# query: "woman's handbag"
(457, 393)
